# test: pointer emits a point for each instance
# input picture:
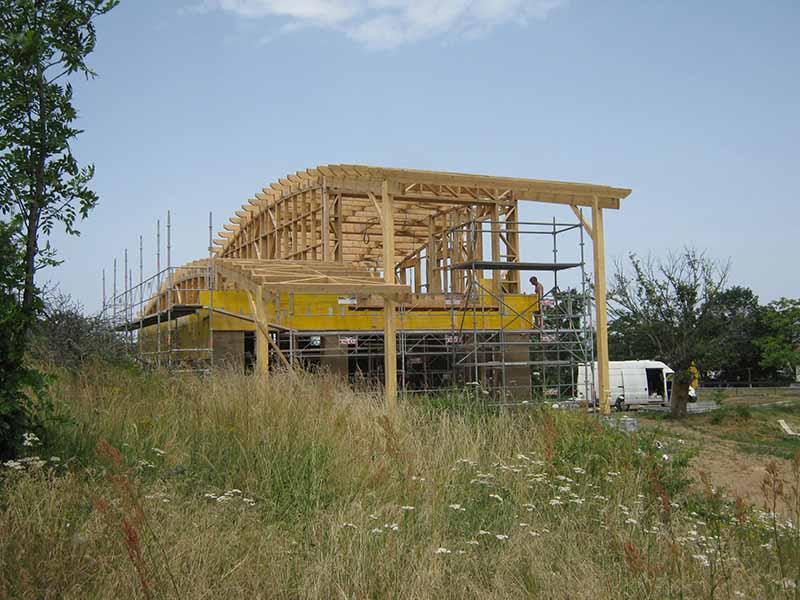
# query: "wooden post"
(495, 230)
(389, 325)
(325, 225)
(604, 393)
(262, 343)
(432, 260)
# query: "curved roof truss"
(333, 213)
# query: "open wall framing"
(415, 259)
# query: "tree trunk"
(680, 396)
(31, 250)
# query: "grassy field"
(160, 487)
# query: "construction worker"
(538, 289)
(695, 383)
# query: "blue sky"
(694, 105)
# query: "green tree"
(42, 44)
(13, 324)
(668, 306)
(780, 339)
(734, 324)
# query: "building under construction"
(409, 278)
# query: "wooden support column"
(325, 225)
(262, 341)
(512, 245)
(389, 325)
(432, 260)
(495, 229)
(337, 230)
(314, 211)
(603, 393)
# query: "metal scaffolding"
(493, 351)
(150, 312)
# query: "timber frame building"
(339, 265)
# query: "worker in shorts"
(538, 289)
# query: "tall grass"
(167, 487)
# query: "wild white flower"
(564, 489)
(484, 532)
(457, 507)
(234, 492)
(613, 474)
(702, 559)
(392, 526)
(555, 502)
(496, 497)
(665, 457)
(55, 459)
(631, 522)
(406, 508)
(349, 525)
(535, 533)
(658, 444)
(249, 501)
(415, 478)
(578, 501)
(501, 537)
(443, 551)
(221, 499)
(376, 530)
(30, 440)
(158, 451)
(599, 497)
(579, 470)
(210, 495)
(529, 507)
(523, 524)
(473, 543)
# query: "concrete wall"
(229, 349)
(518, 377)
(334, 356)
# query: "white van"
(632, 382)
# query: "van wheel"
(619, 404)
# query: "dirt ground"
(725, 452)
(726, 466)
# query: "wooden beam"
(389, 324)
(586, 225)
(604, 392)
(262, 334)
(495, 229)
(325, 226)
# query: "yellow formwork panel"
(330, 312)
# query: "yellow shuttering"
(317, 312)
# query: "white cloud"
(392, 23)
